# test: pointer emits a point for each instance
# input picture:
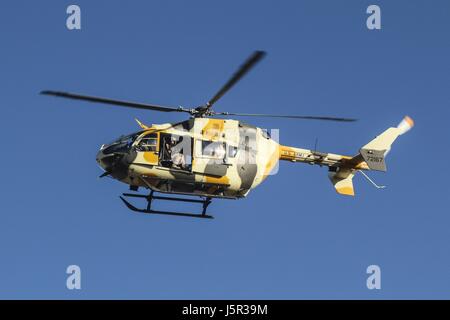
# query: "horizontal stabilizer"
(342, 180)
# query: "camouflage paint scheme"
(251, 155)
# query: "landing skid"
(205, 203)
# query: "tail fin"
(376, 150)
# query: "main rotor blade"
(285, 116)
(128, 104)
(248, 64)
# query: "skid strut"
(205, 203)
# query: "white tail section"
(376, 150)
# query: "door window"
(212, 149)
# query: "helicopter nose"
(112, 161)
(106, 159)
(102, 160)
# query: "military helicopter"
(209, 157)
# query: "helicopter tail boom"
(342, 168)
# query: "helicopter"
(207, 158)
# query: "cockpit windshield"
(129, 139)
(122, 144)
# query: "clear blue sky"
(293, 237)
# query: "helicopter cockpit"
(158, 148)
(111, 157)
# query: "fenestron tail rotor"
(203, 110)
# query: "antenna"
(315, 144)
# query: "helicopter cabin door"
(149, 147)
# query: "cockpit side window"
(148, 143)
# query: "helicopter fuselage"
(200, 156)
